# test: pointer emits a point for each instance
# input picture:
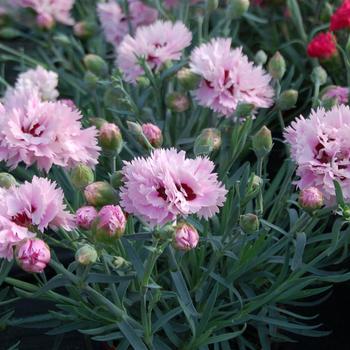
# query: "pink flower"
(40, 80)
(153, 134)
(320, 145)
(228, 78)
(37, 204)
(68, 102)
(33, 255)
(110, 222)
(341, 94)
(45, 20)
(10, 236)
(311, 198)
(59, 10)
(156, 44)
(115, 22)
(186, 237)
(166, 184)
(85, 216)
(44, 133)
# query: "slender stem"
(280, 118)
(260, 201)
(113, 164)
(316, 94)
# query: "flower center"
(321, 154)
(161, 193)
(22, 219)
(33, 130)
(189, 193)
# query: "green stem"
(113, 164)
(260, 201)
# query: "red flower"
(322, 46)
(341, 17)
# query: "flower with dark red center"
(341, 17)
(322, 46)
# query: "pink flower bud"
(100, 193)
(178, 102)
(45, 21)
(110, 137)
(311, 198)
(153, 134)
(33, 255)
(186, 237)
(110, 223)
(85, 216)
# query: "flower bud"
(187, 79)
(319, 75)
(277, 66)
(86, 255)
(287, 100)
(98, 122)
(238, 8)
(109, 224)
(153, 134)
(311, 198)
(85, 216)
(45, 21)
(260, 58)
(120, 263)
(185, 237)
(143, 82)
(9, 33)
(116, 179)
(62, 39)
(90, 80)
(7, 180)
(249, 223)
(178, 102)
(262, 142)
(100, 193)
(209, 140)
(32, 255)
(254, 184)
(96, 65)
(244, 110)
(135, 128)
(81, 176)
(212, 5)
(110, 138)
(84, 29)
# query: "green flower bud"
(135, 128)
(98, 122)
(212, 5)
(90, 80)
(277, 66)
(178, 102)
(262, 142)
(9, 33)
(62, 39)
(249, 223)
(120, 263)
(96, 65)
(100, 193)
(84, 29)
(244, 110)
(255, 182)
(187, 79)
(287, 100)
(116, 179)
(208, 141)
(81, 176)
(143, 82)
(238, 8)
(86, 255)
(7, 180)
(260, 57)
(319, 75)
(110, 138)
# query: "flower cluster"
(321, 147)
(323, 46)
(341, 17)
(34, 131)
(167, 184)
(115, 22)
(156, 44)
(228, 78)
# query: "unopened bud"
(255, 183)
(96, 65)
(45, 21)
(9, 33)
(110, 138)
(186, 237)
(187, 79)
(100, 193)
(311, 198)
(135, 128)
(287, 100)
(244, 110)
(249, 223)
(277, 66)
(260, 57)
(143, 82)
(212, 5)
(86, 255)
(178, 102)
(84, 29)
(153, 134)
(238, 8)
(98, 122)
(62, 39)
(262, 142)
(81, 176)
(7, 180)
(208, 141)
(91, 80)
(120, 263)
(319, 75)
(116, 179)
